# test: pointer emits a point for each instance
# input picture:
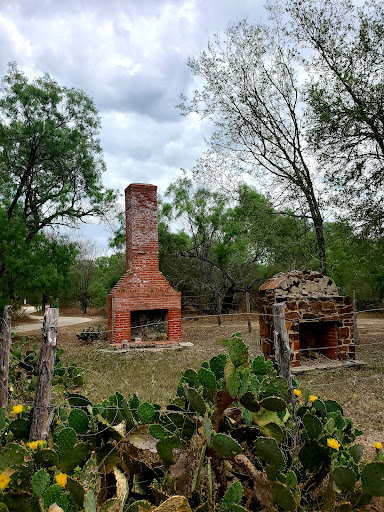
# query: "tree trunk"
(318, 224)
(5, 348)
(42, 417)
(43, 303)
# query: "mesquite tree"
(251, 93)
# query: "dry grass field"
(153, 374)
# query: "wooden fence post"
(355, 328)
(283, 351)
(248, 306)
(5, 349)
(42, 416)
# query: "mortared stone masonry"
(143, 287)
(318, 320)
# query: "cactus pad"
(66, 439)
(192, 377)
(78, 420)
(232, 496)
(356, 451)
(238, 350)
(107, 458)
(225, 445)
(139, 506)
(372, 478)
(273, 430)
(273, 403)
(260, 366)
(250, 401)
(55, 494)
(40, 482)
(2, 419)
(320, 407)
(207, 429)
(232, 379)
(145, 412)
(165, 449)
(46, 457)
(17, 458)
(244, 376)
(195, 400)
(20, 429)
(274, 386)
(158, 431)
(90, 501)
(283, 497)
(313, 456)
(312, 425)
(267, 450)
(333, 406)
(344, 478)
(207, 379)
(73, 458)
(217, 365)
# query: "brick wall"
(142, 287)
(317, 317)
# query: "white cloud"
(130, 56)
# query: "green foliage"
(50, 173)
(206, 428)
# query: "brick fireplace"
(319, 321)
(142, 306)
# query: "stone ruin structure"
(319, 321)
(143, 308)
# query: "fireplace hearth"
(319, 321)
(143, 305)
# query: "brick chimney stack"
(141, 228)
(142, 291)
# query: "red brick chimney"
(142, 288)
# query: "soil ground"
(154, 374)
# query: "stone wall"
(318, 319)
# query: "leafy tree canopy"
(50, 155)
(51, 164)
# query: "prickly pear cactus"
(79, 421)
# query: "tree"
(345, 95)
(252, 95)
(50, 159)
(37, 270)
(232, 246)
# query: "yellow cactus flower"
(297, 392)
(378, 446)
(17, 409)
(33, 445)
(312, 398)
(333, 443)
(61, 479)
(4, 481)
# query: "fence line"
(186, 318)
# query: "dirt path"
(63, 321)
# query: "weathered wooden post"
(42, 417)
(283, 351)
(248, 306)
(5, 349)
(355, 328)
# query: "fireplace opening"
(319, 338)
(149, 324)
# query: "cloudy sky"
(130, 56)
